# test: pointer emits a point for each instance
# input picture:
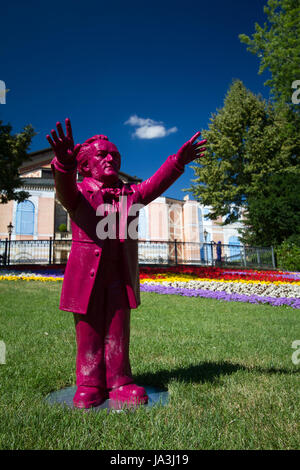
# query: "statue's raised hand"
(191, 150)
(63, 146)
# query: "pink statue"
(101, 282)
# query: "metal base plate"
(65, 397)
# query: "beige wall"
(218, 237)
(46, 216)
(6, 216)
(158, 221)
(190, 222)
(24, 237)
(182, 223)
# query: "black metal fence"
(175, 252)
(47, 252)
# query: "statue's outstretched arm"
(171, 169)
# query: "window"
(25, 218)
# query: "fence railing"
(17, 252)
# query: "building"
(163, 221)
(39, 217)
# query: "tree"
(252, 167)
(13, 152)
(277, 44)
(247, 145)
(273, 214)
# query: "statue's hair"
(83, 154)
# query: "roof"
(38, 182)
(41, 158)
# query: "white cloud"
(153, 131)
(148, 128)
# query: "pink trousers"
(102, 335)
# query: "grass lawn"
(227, 367)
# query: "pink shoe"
(129, 393)
(87, 397)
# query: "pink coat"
(81, 201)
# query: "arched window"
(25, 218)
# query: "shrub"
(288, 254)
(62, 228)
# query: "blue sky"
(164, 66)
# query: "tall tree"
(273, 214)
(13, 152)
(246, 146)
(253, 166)
(277, 44)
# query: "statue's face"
(104, 161)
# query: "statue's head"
(100, 159)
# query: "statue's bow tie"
(110, 194)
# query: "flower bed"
(31, 276)
(272, 287)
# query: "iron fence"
(210, 254)
(17, 252)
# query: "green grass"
(227, 367)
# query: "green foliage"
(273, 214)
(295, 238)
(251, 167)
(62, 228)
(288, 255)
(244, 144)
(277, 44)
(13, 152)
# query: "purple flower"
(254, 299)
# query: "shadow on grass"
(211, 372)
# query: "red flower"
(211, 272)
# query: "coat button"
(92, 273)
(97, 252)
